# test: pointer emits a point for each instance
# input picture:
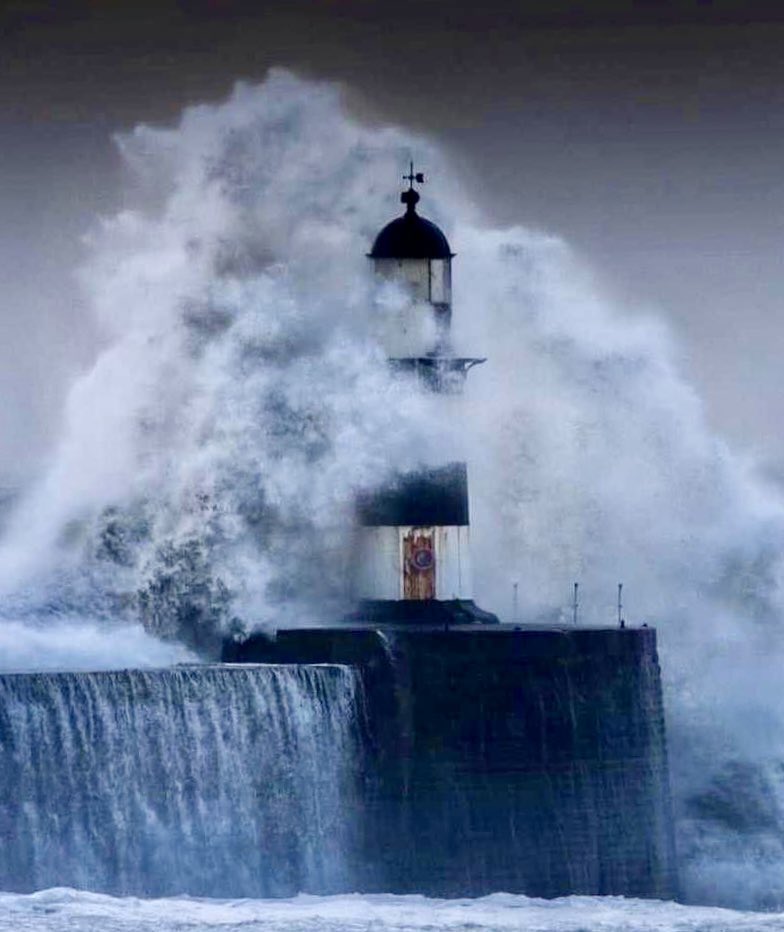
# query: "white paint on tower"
(383, 564)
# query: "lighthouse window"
(439, 281)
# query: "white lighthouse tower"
(413, 555)
(413, 253)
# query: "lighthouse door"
(419, 564)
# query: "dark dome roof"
(411, 237)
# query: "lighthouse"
(413, 543)
(515, 757)
(412, 253)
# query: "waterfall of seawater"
(216, 781)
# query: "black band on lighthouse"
(429, 497)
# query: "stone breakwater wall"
(507, 759)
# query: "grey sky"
(653, 142)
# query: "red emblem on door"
(419, 565)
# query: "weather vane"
(411, 177)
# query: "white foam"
(53, 910)
(79, 644)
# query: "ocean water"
(66, 910)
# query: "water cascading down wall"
(214, 781)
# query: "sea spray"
(210, 458)
(208, 462)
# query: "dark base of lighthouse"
(506, 759)
(442, 613)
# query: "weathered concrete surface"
(500, 758)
